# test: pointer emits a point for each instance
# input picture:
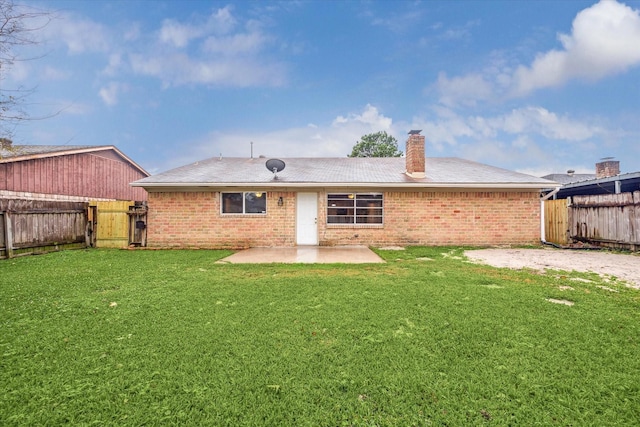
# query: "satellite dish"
(275, 165)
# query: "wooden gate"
(117, 224)
(556, 218)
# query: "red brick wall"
(194, 220)
(410, 218)
(447, 218)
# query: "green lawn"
(114, 337)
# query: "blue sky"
(534, 86)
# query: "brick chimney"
(607, 167)
(415, 155)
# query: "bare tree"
(18, 27)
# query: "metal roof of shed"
(565, 178)
(628, 182)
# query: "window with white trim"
(248, 202)
(354, 208)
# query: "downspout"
(542, 226)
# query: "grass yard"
(113, 337)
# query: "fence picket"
(611, 220)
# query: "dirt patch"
(621, 266)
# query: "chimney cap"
(606, 159)
(415, 132)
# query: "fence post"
(8, 235)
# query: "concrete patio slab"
(306, 255)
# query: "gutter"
(542, 223)
(397, 185)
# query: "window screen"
(354, 208)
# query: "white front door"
(307, 219)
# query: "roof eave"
(412, 185)
(134, 164)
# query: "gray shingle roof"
(17, 153)
(29, 150)
(384, 172)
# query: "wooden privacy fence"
(37, 226)
(30, 226)
(611, 220)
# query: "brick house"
(238, 202)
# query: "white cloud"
(335, 139)
(110, 93)
(398, 22)
(538, 120)
(223, 56)
(19, 71)
(177, 34)
(228, 52)
(515, 140)
(369, 117)
(115, 63)
(79, 34)
(179, 69)
(460, 32)
(605, 40)
(235, 44)
(524, 125)
(466, 90)
(444, 131)
(132, 32)
(521, 151)
(180, 34)
(52, 73)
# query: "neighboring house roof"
(17, 153)
(628, 182)
(444, 172)
(565, 178)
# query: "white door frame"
(306, 218)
